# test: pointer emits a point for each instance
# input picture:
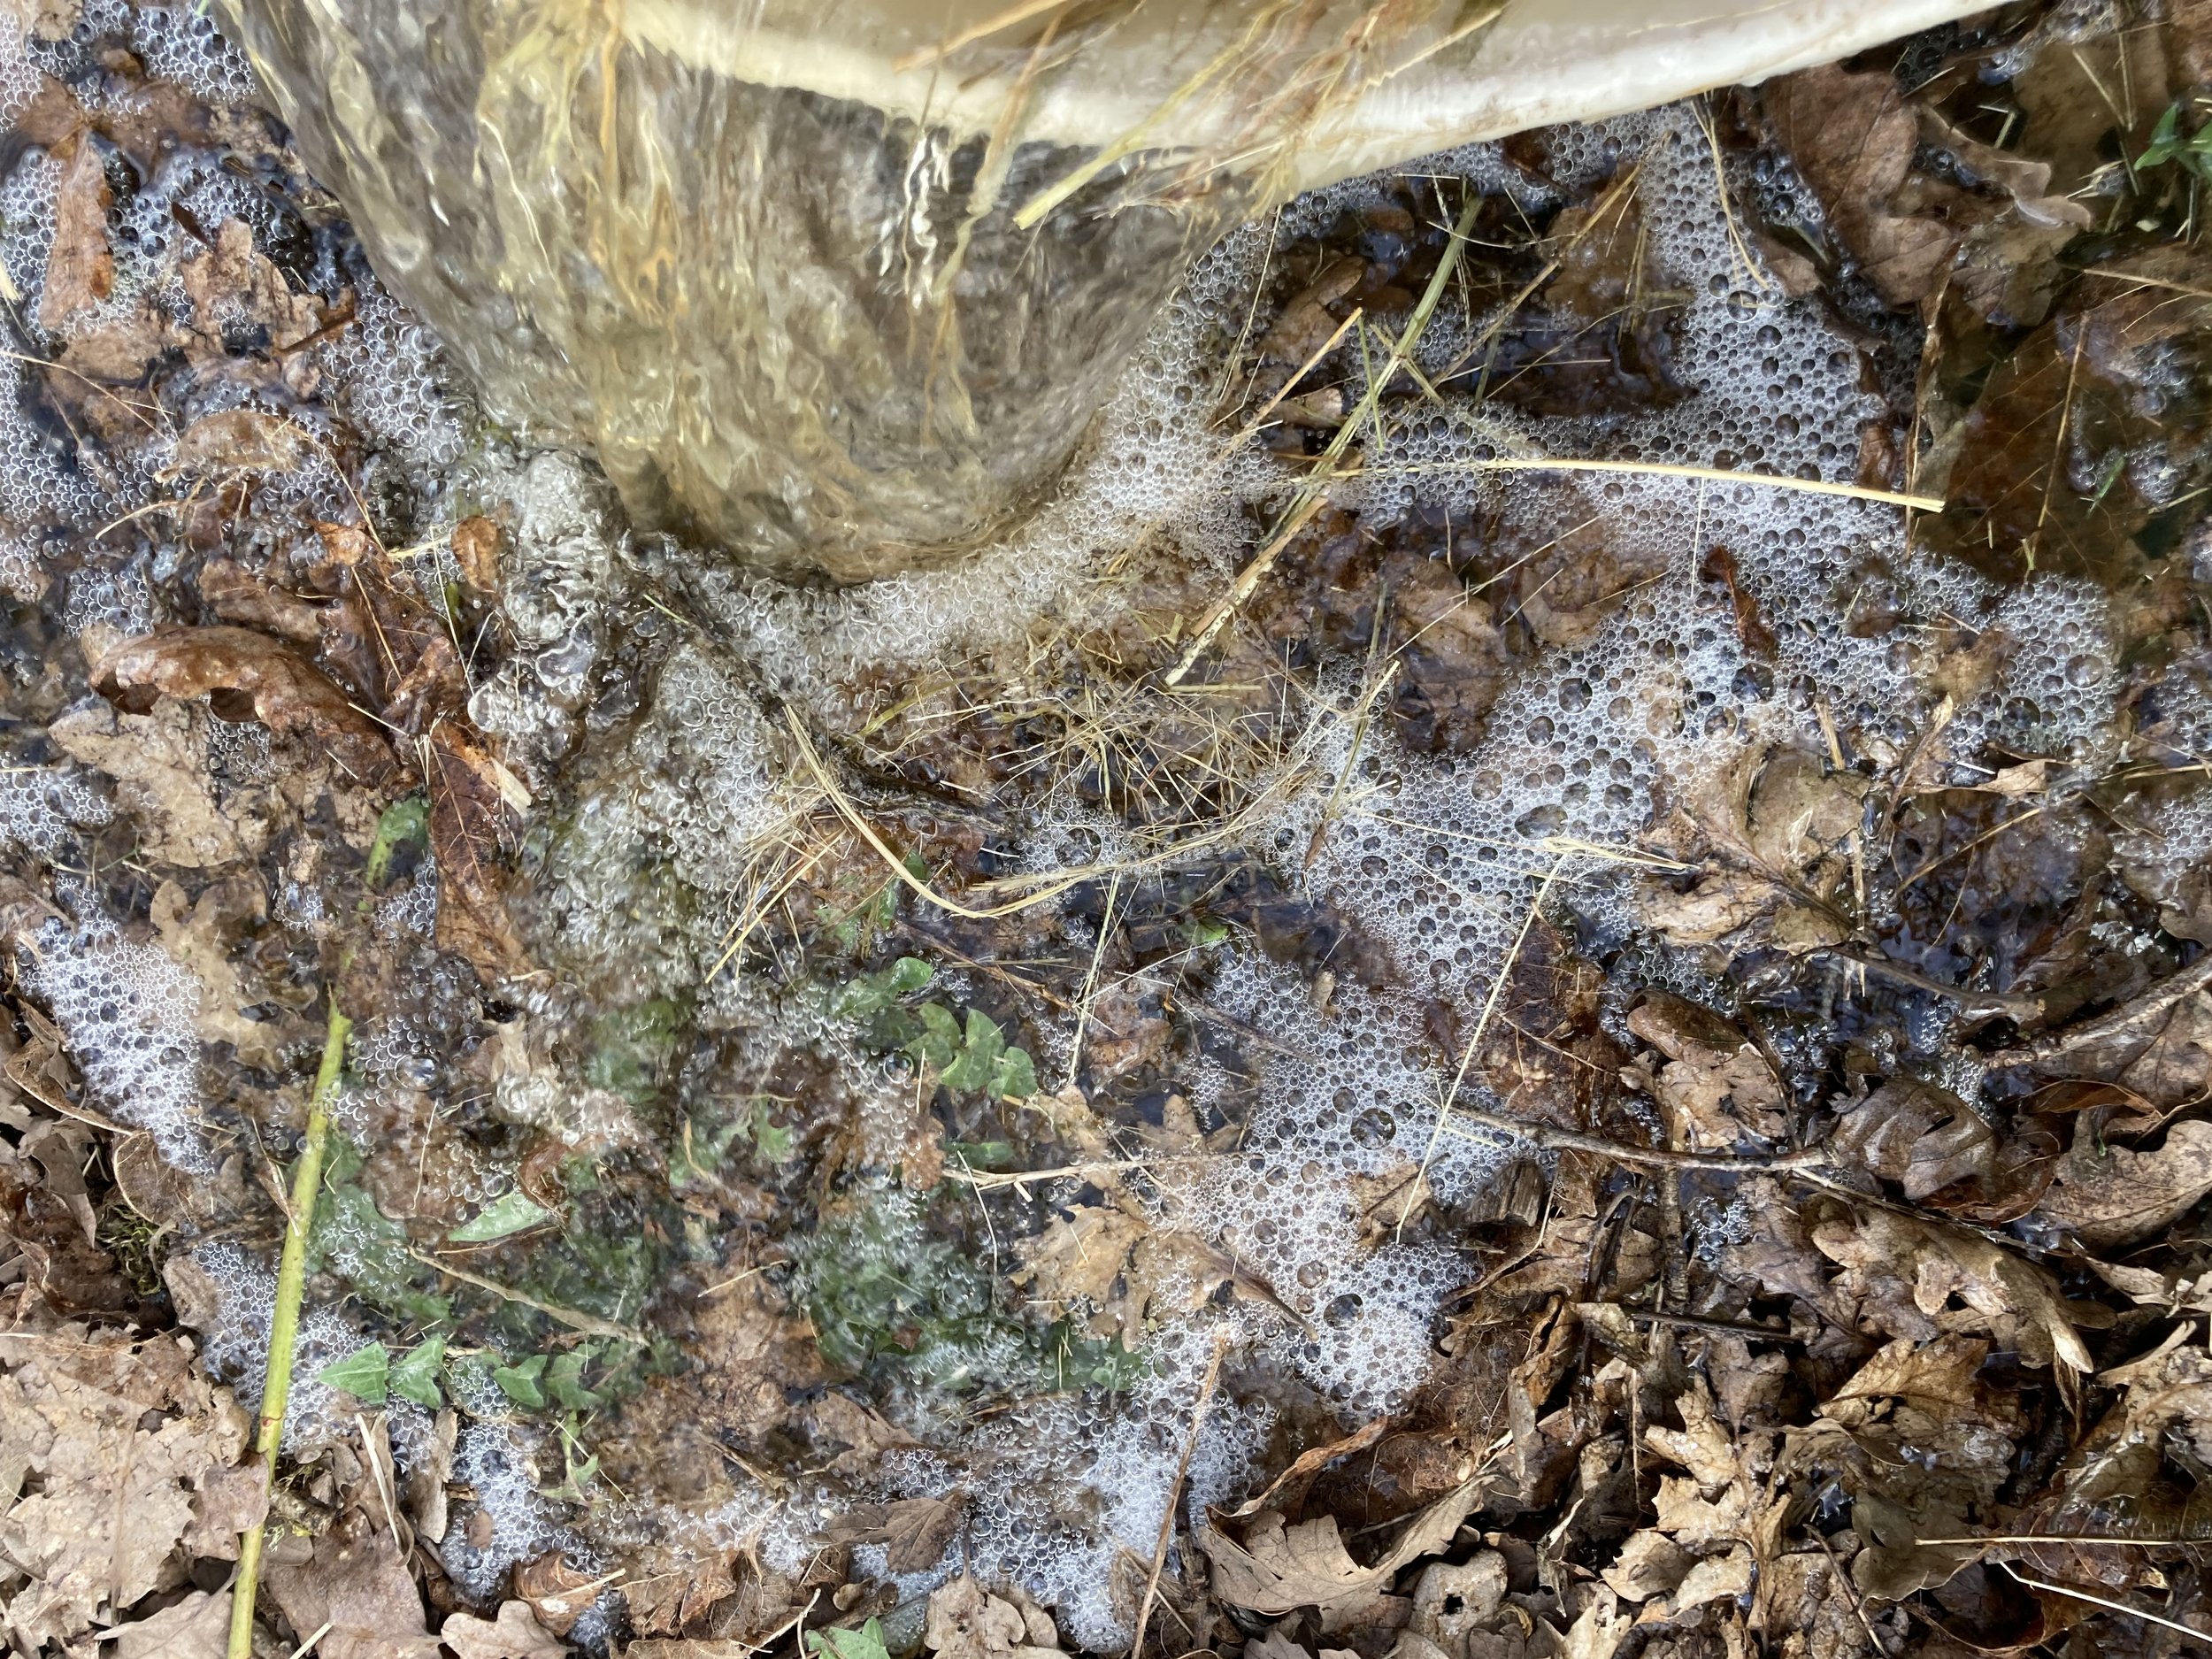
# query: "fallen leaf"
(1851, 136)
(245, 676)
(240, 441)
(2113, 1196)
(118, 1435)
(916, 1531)
(1904, 1272)
(515, 1634)
(470, 821)
(1288, 1491)
(555, 1592)
(476, 553)
(1599, 1631)
(236, 595)
(1715, 1088)
(1649, 1564)
(233, 282)
(1131, 1272)
(80, 267)
(159, 762)
(1277, 1568)
(198, 1627)
(359, 1585)
(966, 1621)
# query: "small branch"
(1175, 1491)
(2123, 1021)
(589, 1323)
(1481, 1124)
(284, 1322)
(2071, 1594)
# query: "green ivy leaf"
(362, 1373)
(507, 1214)
(983, 1044)
(564, 1381)
(938, 1040)
(865, 1643)
(415, 1373)
(1015, 1077)
(519, 1382)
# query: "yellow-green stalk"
(307, 1180)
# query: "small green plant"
(512, 1212)
(370, 1373)
(2169, 143)
(404, 824)
(631, 1048)
(970, 1058)
(704, 1146)
(865, 1643)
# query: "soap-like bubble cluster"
(42, 810)
(127, 1011)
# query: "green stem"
(307, 1180)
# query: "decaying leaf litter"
(1597, 1061)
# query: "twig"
(1666, 469)
(2190, 1630)
(1548, 1139)
(1083, 1007)
(1175, 1491)
(284, 1322)
(589, 1323)
(2121, 1022)
(1718, 1328)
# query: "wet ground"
(1603, 1053)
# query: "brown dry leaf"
(240, 441)
(236, 593)
(245, 676)
(1126, 1031)
(470, 824)
(1716, 906)
(1288, 1491)
(1920, 1136)
(1715, 1087)
(515, 1634)
(198, 1627)
(80, 269)
(918, 1531)
(1923, 1446)
(1600, 1629)
(1649, 1564)
(966, 1621)
(118, 1434)
(233, 281)
(1904, 1274)
(1277, 1568)
(159, 762)
(2113, 1196)
(1599, 250)
(663, 1603)
(1852, 137)
(357, 1583)
(476, 553)
(194, 936)
(1130, 1272)
(557, 1593)
(1799, 810)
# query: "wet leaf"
(519, 1381)
(80, 267)
(914, 1531)
(240, 441)
(1276, 1569)
(515, 1634)
(245, 676)
(364, 1373)
(357, 1589)
(2110, 1196)
(1715, 1088)
(476, 553)
(1852, 136)
(512, 1212)
(964, 1621)
(865, 1643)
(469, 823)
(414, 1375)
